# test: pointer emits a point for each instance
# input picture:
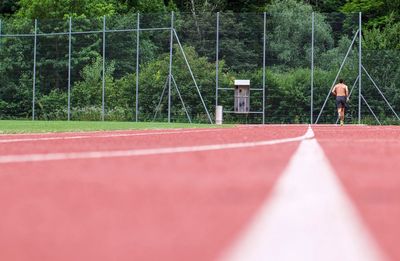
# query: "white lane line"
(103, 136)
(141, 152)
(308, 217)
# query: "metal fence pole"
(264, 53)
(104, 69)
(0, 32)
(359, 69)
(69, 68)
(312, 70)
(137, 68)
(217, 63)
(34, 72)
(170, 67)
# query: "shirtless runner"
(341, 91)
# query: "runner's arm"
(334, 91)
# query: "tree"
(44, 9)
(289, 33)
(327, 6)
(8, 7)
(375, 12)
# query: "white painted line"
(308, 217)
(111, 135)
(141, 152)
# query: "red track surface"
(182, 206)
(186, 206)
(367, 160)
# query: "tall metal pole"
(312, 70)
(69, 68)
(137, 68)
(34, 72)
(217, 63)
(264, 53)
(359, 68)
(170, 67)
(104, 69)
(0, 32)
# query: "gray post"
(170, 67)
(0, 32)
(34, 72)
(264, 53)
(69, 69)
(104, 69)
(217, 63)
(312, 70)
(137, 68)
(359, 69)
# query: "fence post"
(170, 67)
(69, 68)
(137, 68)
(0, 35)
(312, 69)
(34, 72)
(0, 32)
(264, 53)
(217, 63)
(359, 67)
(104, 69)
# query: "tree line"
(288, 57)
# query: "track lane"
(367, 161)
(162, 207)
(148, 140)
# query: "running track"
(245, 193)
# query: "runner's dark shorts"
(341, 101)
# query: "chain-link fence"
(180, 66)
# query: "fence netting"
(178, 67)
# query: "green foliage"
(58, 9)
(52, 106)
(376, 12)
(153, 79)
(289, 33)
(294, 87)
(386, 38)
(8, 7)
(150, 6)
(327, 6)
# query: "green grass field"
(17, 126)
